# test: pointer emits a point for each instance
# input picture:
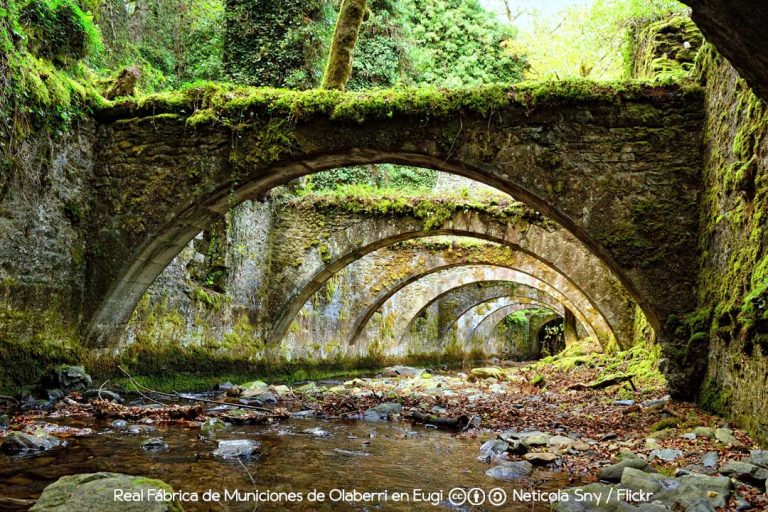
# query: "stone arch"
(502, 258)
(400, 265)
(355, 236)
(483, 330)
(166, 170)
(385, 322)
(442, 312)
(471, 320)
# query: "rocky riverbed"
(576, 432)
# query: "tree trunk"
(339, 66)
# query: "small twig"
(145, 388)
(4, 500)
(219, 402)
(136, 385)
(469, 423)
(246, 470)
(9, 399)
(102, 387)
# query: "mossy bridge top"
(617, 164)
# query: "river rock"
(652, 444)
(21, 442)
(683, 490)
(211, 426)
(658, 403)
(613, 472)
(725, 436)
(540, 458)
(261, 398)
(486, 373)
(592, 497)
(535, 438)
(67, 378)
(120, 424)
(407, 371)
(716, 488)
(494, 446)
(154, 444)
(253, 388)
(759, 458)
(383, 411)
(317, 432)
(745, 472)
(237, 448)
(281, 390)
(705, 432)
(309, 387)
(667, 454)
(95, 491)
(559, 441)
(516, 470)
(710, 459)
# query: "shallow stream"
(362, 455)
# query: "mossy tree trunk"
(339, 67)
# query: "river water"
(396, 457)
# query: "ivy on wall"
(277, 44)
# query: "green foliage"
(590, 40)
(171, 41)
(373, 176)
(381, 54)
(43, 85)
(59, 30)
(280, 44)
(457, 43)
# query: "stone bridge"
(439, 319)
(320, 236)
(399, 265)
(485, 330)
(618, 166)
(386, 322)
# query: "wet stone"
(494, 446)
(95, 491)
(540, 458)
(238, 448)
(120, 424)
(517, 470)
(317, 432)
(21, 442)
(212, 425)
(154, 444)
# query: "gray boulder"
(97, 491)
(613, 472)
(745, 472)
(516, 470)
(759, 458)
(67, 378)
(383, 411)
(237, 448)
(21, 442)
